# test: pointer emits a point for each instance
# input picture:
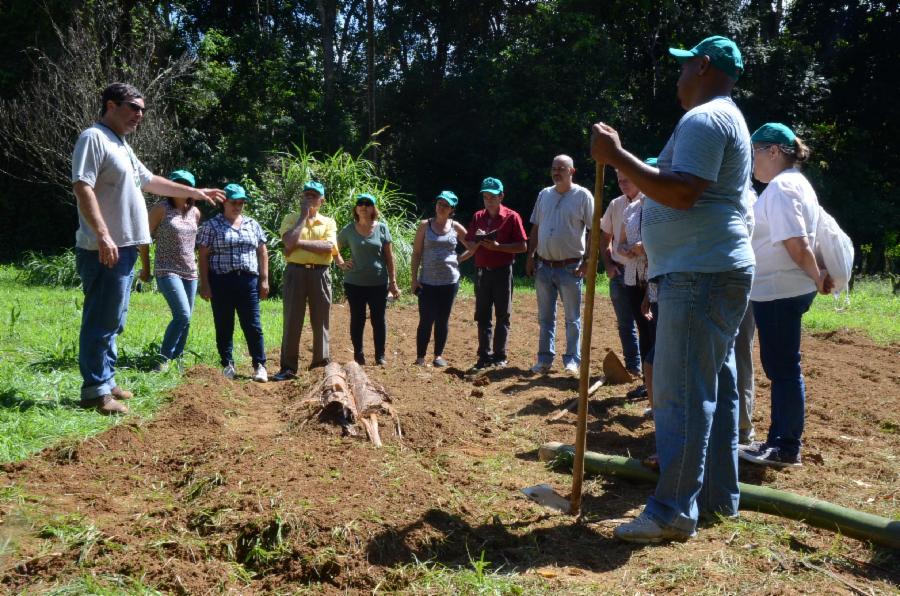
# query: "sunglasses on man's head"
(135, 107)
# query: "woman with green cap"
(369, 274)
(434, 248)
(786, 281)
(173, 226)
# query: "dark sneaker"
(439, 362)
(360, 359)
(121, 394)
(770, 456)
(381, 361)
(106, 405)
(481, 365)
(285, 374)
(644, 530)
(639, 391)
(320, 364)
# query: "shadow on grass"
(446, 538)
(11, 399)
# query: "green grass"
(39, 377)
(872, 308)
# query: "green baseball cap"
(316, 186)
(723, 54)
(775, 133)
(364, 196)
(236, 192)
(651, 161)
(183, 176)
(449, 196)
(492, 185)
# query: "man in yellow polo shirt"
(310, 243)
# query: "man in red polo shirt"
(500, 236)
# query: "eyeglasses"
(135, 107)
(365, 203)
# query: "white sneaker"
(260, 375)
(572, 369)
(643, 530)
(228, 371)
(540, 368)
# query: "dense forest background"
(452, 91)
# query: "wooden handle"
(587, 325)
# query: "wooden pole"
(587, 325)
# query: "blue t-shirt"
(711, 142)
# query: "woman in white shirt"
(786, 281)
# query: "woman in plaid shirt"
(234, 276)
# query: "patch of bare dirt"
(233, 486)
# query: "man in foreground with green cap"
(499, 236)
(310, 243)
(698, 250)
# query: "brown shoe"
(107, 405)
(121, 394)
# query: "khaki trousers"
(301, 286)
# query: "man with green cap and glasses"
(499, 236)
(698, 248)
(310, 244)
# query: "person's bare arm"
(532, 247)
(166, 188)
(262, 256)
(144, 254)
(801, 253)
(90, 211)
(677, 190)
(418, 247)
(606, 255)
(392, 274)
(203, 267)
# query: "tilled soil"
(234, 486)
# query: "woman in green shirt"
(368, 275)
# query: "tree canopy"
(459, 90)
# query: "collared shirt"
(231, 249)
(509, 228)
(562, 219)
(105, 162)
(612, 221)
(320, 227)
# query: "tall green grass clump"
(279, 191)
(56, 271)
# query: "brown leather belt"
(309, 265)
(557, 264)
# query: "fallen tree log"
(821, 514)
(347, 395)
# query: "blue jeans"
(435, 304)
(179, 293)
(237, 291)
(106, 294)
(695, 401)
(778, 323)
(628, 333)
(550, 282)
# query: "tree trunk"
(328, 18)
(370, 73)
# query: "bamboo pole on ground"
(821, 514)
(587, 325)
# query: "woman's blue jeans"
(179, 294)
(695, 401)
(237, 291)
(778, 324)
(107, 291)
